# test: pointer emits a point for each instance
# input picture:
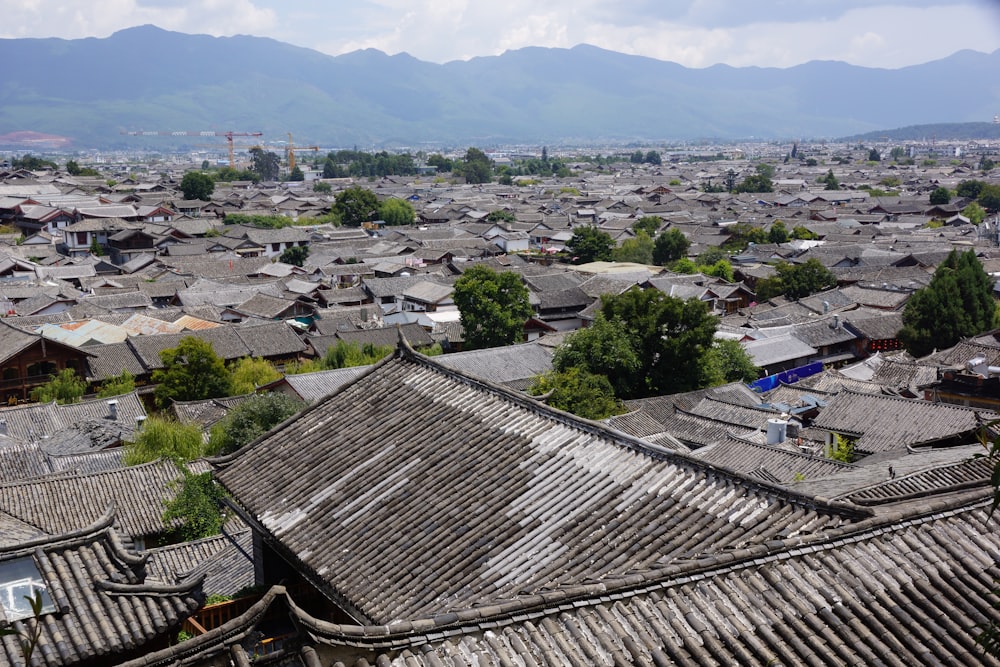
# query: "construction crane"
(209, 133)
(291, 148)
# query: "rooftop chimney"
(113, 410)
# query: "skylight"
(19, 582)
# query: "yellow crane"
(229, 134)
(291, 148)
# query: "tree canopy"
(669, 336)
(63, 387)
(249, 420)
(355, 205)
(940, 195)
(575, 390)
(493, 305)
(958, 302)
(397, 212)
(475, 167)
(638, 249)
(296, 255)
(191, 371)
(196, 185)
(669, 246)
(590, 244)
(796, 281)
(266, 164)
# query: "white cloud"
(694, 33)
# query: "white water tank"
(776, 429)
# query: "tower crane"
(291, 148)
(228, 134)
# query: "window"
(20, 581)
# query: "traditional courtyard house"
(497, 531)
(29, 360)
(98, 604)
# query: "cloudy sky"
(695, 33)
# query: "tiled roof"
(883, 423)
(105, 610)
(70, 502)
(786, 466)
(225, 569)
(442, 492)
(906, 593)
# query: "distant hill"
(939, 131)
(150, 79)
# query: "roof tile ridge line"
(849, 466)
(120, 588)
(716, 399)
(916, 401)
(73, 474)
(840, 508)
(923, 471)
(221, 461)
(549, 603)
(218, 638)
(518, 398)
(104, 522)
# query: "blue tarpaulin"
(786, 377)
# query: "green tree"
(638, 249)
(493, 306)
(670, 337)
(974, 212)
(249, 420)
(296, 174)
(986, 164)
(266, 164)
(116, 386)
(897, 153)
(604, 348)
(940, 195)
(801, 232)
(347, 355)
(196, 185)
(590, 244)
(652, 157)
(439, 162)
(796, 281)
(196, 510)
(191, 372)
(874, 156)
(296, 255)
(969, 189)
(63, 387)
(397, 212)
(579, 392)
(475, 167)
(248, 373)
(649, 224)
(729, 362)
(165, 438)
(958, 302)
(755, 183)
(989, 198)
(500, 215)
(778, 232)
(669, 246)
(95, 248)
(72, 168)
(355, 205)
(322, 187)
(830, 181)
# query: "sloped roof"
(441, 492)
(70, 502)
(106, 611)
(883, 423)
(902, 592)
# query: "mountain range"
(89, 91)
